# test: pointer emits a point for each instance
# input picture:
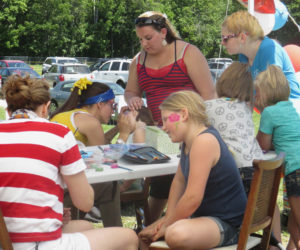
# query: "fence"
(40, 60)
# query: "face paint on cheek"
(174, 118)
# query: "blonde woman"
(243, 35)
(207, 201)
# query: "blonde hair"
(272, 85)
(236, 82)
(25, 93)
(162, 22)
(189, 100)
(243, 21)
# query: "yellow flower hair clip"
(81, 84)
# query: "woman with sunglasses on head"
(90, 105)
(164, 65)
(243, 35)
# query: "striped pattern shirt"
(159, 84)
(33, 155)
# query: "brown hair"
(25, 92)
(162, 22)
(75, 100)
(273, 87)
(190, 100)
(236, 82)
(243, 21)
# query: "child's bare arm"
(264, 140)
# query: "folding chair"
(140, 200)
(260, 207)
(5, 241)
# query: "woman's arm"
(199, 73)
(133, 92)
(81, 192)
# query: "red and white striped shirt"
(33, 155)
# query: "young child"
(206, 202)
(279, 128)
(231, 115)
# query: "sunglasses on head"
(226, 38)
(145, 21)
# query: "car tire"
(121, 83)
(53, 106)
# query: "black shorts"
(292, 182)
(160, 186)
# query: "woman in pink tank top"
(166, 64)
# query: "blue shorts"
(229, 234)
(292, 182)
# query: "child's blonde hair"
(243, 21)
(273, 87)
(189, 100)
(236, 82)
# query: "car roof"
(12, 61)
(101, 81)
(70, 64)
(61, 57)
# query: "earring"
(164, 42)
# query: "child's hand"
(66, 215)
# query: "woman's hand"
(126, 124)
(135, 103)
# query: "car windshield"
(24, 72)
(18, 64)
(216, 65)
(67, 61)
(76, 69)
(117, 89)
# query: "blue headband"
(104, 97)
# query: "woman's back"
(34, 153)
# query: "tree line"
(105, 28)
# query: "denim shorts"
(292, 182)
(229, 234)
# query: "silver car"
(68, 71)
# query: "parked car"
(225, 60)
(98, 63)
(6, 72)
(116, 70)
(13, 63)
(55, 59)
(217, 68)
(61, 92)
(68, 71)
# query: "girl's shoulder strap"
(141, 57)
(183, 51)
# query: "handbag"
(145, 155)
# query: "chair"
(140, 200)
(260, 207)
(5, 241)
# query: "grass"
(37, 68)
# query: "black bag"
(145, 155)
